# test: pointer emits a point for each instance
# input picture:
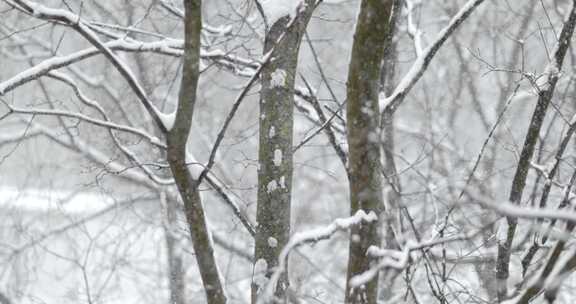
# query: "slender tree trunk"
(275, 149)
(177, 140)
(392, 191)
(174, 257)
(363, 114)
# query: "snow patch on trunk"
(272, 132)
(260, 269)
(272, 186)
(272, 242)
(277, 157)
(278, 78)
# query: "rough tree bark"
(177, 140)
(283, 38)
(173, 252)
(519, 182)
(364, 169)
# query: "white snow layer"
(276, 9)
(167, 119)
(312, 235)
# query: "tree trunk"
(363, 111)
(177, 141)
(275, 148)
(173, 252)
(392, 190)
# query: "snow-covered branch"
(388, 259)
(399, 259)
(75, 22)
(307, 237)
(391, 103)
(526, 212)
(413, 30)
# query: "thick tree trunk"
(364, 168)
(177, 141)
(275, 149)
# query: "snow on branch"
(399, 259)
(43, 68)
(414, 32)
(549, 278)
(526, 212)
(311, 236)
(75, 22)
(169, 47)
(275, 10)
(392, 102)
(388, 258)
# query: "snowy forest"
(287, 151)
